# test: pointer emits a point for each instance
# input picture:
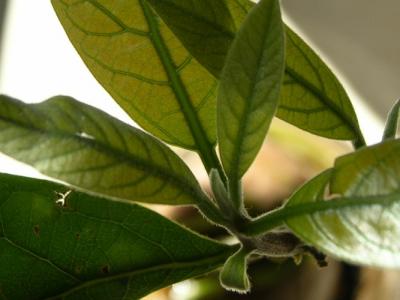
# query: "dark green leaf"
(392, 122)
(210, 31)
(249, 88)
(312, 98)
(91, 248)
(360, 224)
(81, 145)
(145, 68)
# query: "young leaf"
(249, 88)
(233, 275)
(312, 98)
(210, 31)
(137, 59)
(81, 145)
(392, 122)
(91, 247)
(361, 226)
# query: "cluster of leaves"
(193, 74)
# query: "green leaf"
(138, 60)
(91, 248)
(392, 122)
(81, 145)
(249, 88)
(233, 276)
(312, 98)
(239, 10)
(210, 31)
(361, 223)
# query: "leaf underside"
(83, 146)
(92, 247)
(361, 223)
(210, 20)
(138, 60)
(312, 98)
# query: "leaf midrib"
(129, 158)
(248, 108)
(210, 260)
(279, 216)
(199, 135)
(327, 101)
(316, 92)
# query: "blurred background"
(359, 41)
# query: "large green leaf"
(138, 60)
(312, 98)
(360, 223)
(249, 87)
(91, 248)
(81, 145)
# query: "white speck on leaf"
(62, 198)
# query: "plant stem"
(264, 223)
(210, 161)
(211, 211)
(235, 194)
(205, 149)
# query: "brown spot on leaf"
(105, 269)
(78, 236)
(36, 230)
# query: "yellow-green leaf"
(138, 60)
(312, 98)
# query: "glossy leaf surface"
(83, 146)
(249, 87)
(360, 221)
(91, 248)
(138, 60)
(312, 98)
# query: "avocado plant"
(195, 74)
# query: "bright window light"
(39, 62)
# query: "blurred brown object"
(378, 284)
(288, 158)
